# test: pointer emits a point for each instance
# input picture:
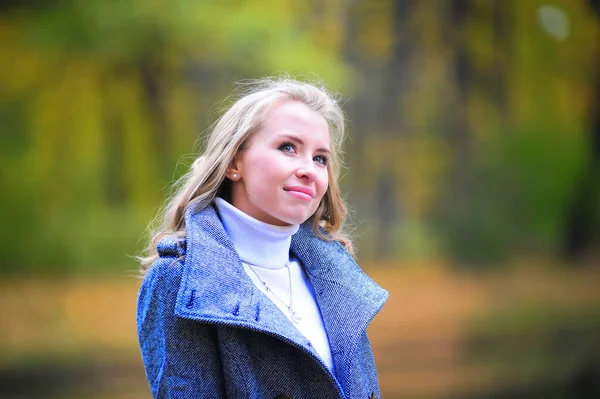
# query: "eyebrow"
(296, 138)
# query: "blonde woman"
(250, 290)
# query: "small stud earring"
(235, 175)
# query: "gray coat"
(206, 331)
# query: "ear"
(234, 170)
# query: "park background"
(472, 173)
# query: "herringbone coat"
(206, 331)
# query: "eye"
(288, 147)
(322, 159)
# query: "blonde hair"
(206, 177)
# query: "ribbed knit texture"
(265, 248)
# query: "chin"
(298, 219)
(291, 219)
(294, 215)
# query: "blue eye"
(322, 159)
(287, 147)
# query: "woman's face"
(282, 172)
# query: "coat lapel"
(347, 297)
(215, 288)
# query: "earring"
(235, 176)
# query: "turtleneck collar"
(257, 243)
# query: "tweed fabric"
(267, 248)
(205, 329)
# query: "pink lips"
(301, 192)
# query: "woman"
(250, 291)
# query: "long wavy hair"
(206, 177)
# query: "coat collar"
(347, 297)
(215, 288)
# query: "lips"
(301, 190)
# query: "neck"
(257, 243)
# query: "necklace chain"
(296, 316)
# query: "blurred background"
(473, 172)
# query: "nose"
(307, 172)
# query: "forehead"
(294, 117)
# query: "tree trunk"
(582, 233)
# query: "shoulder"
(171, 247)
(157, 294)
(323, 244)
(171, 252)
(165, 272)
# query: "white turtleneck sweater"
(264, 250)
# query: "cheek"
(265, 174)
(323, 185)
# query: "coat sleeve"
(181, 356)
